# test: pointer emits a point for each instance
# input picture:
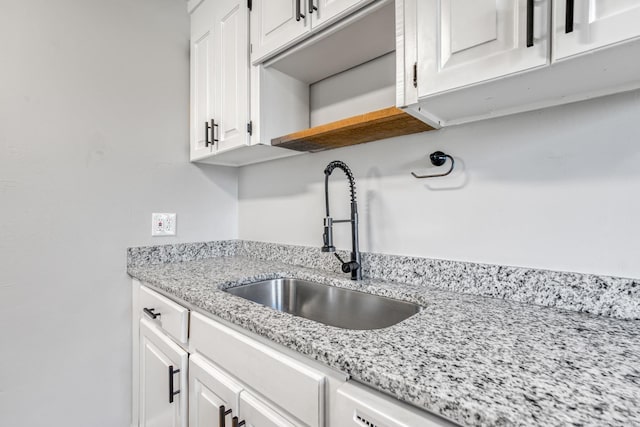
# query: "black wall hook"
(438, 158)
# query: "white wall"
(93, 138)
(555, 189)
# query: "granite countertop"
(475, 360)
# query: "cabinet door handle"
(235, 423)
(222, 415)
(299, 13)
(529, 23)
(214, 132)
(312, 6)
(206, 134)
(568, 17)
(149, 312)
(172, 393)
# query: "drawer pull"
(172, 393)
(214, 132)
(206, 134)
(568, 17)
(312, 6)
(235, 423)
(223, 412)
(149, 312)
(299, 13)
(529, 23)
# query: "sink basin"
(330, 305)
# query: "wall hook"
(438, 158)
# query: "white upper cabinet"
(278, 24)
(466, 60)
(221, 126)
(466, 42)
(584, 25)
(275, 24)
(202, 80)
(219, 77)
(325, 11)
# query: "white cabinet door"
(202, 80)
(163, 379)
(596, 23)
(276, 24)
(231, 68)
(257, 413)
(219, 77)
(322, 11)
(466, 42)
(294, 386)
(211, 391)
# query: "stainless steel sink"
(332, 306)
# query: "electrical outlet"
(163, 224)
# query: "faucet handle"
(347, 267)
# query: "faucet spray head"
(327, 236)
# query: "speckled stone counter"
(608, 296)
(478, 361)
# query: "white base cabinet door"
(460, 43)
(217, 400)
(256, 413)
(214, 395)
(592, 24)
(163, 379)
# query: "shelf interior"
(381, 124)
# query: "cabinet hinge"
(250, 4)
(415, 74)
(250, 128)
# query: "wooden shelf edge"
(373, 126)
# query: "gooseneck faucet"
(354, 266)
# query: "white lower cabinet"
(216, 399)
(163, 379)
(228, 376)
(274, 386)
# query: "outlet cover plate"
(163, 224)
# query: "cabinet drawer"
(296, 388)
(357, 405)
(171, 317)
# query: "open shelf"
(373, 126)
